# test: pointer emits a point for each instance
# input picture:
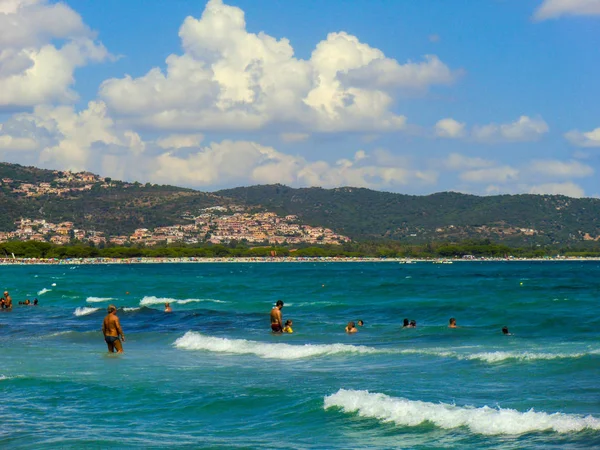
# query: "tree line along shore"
(459, 250)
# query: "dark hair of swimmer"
(405, 323)
(505, 330)
(279, 303)
(413, 323)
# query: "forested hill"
(117, 208)
(367, 214)
(92, 202)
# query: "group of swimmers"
(27, 302)
(277, 327)
(6, 301)
(113, 333)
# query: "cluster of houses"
(487, 230)
(216, 225)
(64, 183)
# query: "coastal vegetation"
(469, 249)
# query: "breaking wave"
(43, 291)
(152, 300)
(485, 420)
(84, 311)
(196, 341)
(98, 299)
(499, 356)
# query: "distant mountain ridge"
(367, 214)
(116, 208)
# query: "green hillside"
(117, 208)
(368, 214)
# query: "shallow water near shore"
(210, 374)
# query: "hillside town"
(64, 183)
(217, 225)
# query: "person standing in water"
(113, 333)
(276, 320)
(7, 301)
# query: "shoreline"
(282, 259)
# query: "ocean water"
(211, 375)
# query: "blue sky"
(487, 97)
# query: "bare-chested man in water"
(6, 301)
(111, 328)
(276, 320)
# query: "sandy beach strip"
(281, 259)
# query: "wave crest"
(152, 300)
(98, 299)
(84, 311)
(498, 356)
(196, 341)
(485, 420)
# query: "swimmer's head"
(279, 303)
(405, 322)
(360, 323)
(505, 330)
(111, 308)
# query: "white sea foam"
(193, 340)
(498, 356)
(43, 291)
(131, 309)
(520, 356)
(485, 420)
(98, 299)
(84, 311)
(193, 300)
(152, 300)
(60, 333)
(53, 284)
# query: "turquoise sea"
(211, 375)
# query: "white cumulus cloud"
(176, 141)
(584, 139)
(524, 129)
(501, 174)
(449, 128)
(564, 169)
(8, 142)
(32, 69)
(569, 189)
(550, 9)
(228, 78)
(456, 161)
(92, 140)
